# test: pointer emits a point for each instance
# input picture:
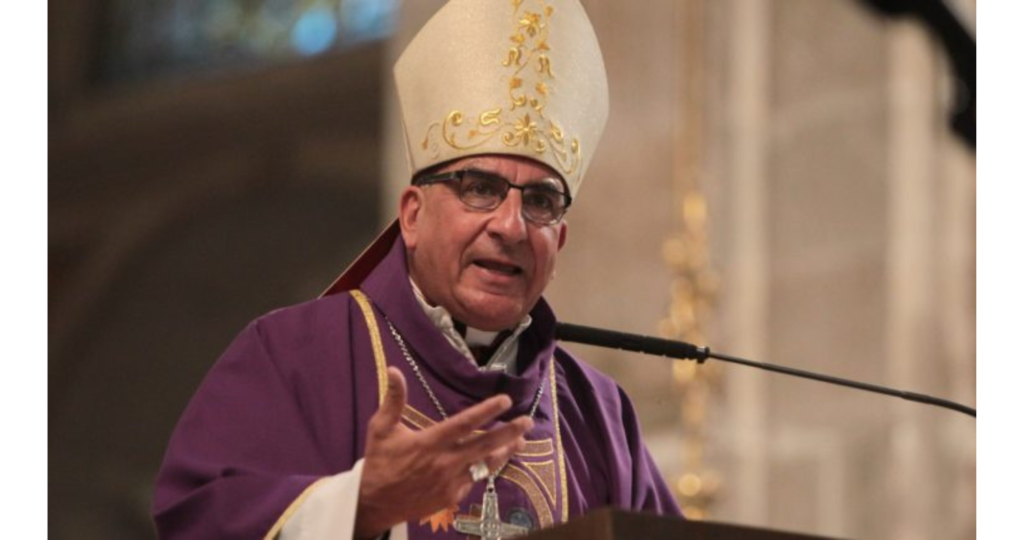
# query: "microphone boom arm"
(686, 351)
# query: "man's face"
(488, 268)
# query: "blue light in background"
(315, 31)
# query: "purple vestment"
(289, 401)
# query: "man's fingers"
(462, 424)
(390, 412)
(502, 455)
(498, 457)
(506, 435)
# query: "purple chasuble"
(289, 401)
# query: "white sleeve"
(330, 510)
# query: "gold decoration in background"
(695, 284)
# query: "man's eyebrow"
(553, 182)
(477, 168)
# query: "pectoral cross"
(489, 526)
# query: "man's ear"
(410, 204)
(563, 233)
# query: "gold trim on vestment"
(292, 508)
(522, 479)
(558, 439)
(378, 345)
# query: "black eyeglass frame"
(458, 175)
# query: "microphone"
(685, 351)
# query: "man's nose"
(507, 219)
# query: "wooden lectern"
(610, 524)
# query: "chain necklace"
(489, 526)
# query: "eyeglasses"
(543, 203)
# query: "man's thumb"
(394, 399)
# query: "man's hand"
(411, 474)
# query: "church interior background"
(778, 179)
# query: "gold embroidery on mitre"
(531, 129)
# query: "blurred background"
(791, 181)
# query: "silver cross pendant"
(489, 526)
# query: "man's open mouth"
(507, 269)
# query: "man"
(424, 393)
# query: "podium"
(611, 524)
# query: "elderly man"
(424, 394)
